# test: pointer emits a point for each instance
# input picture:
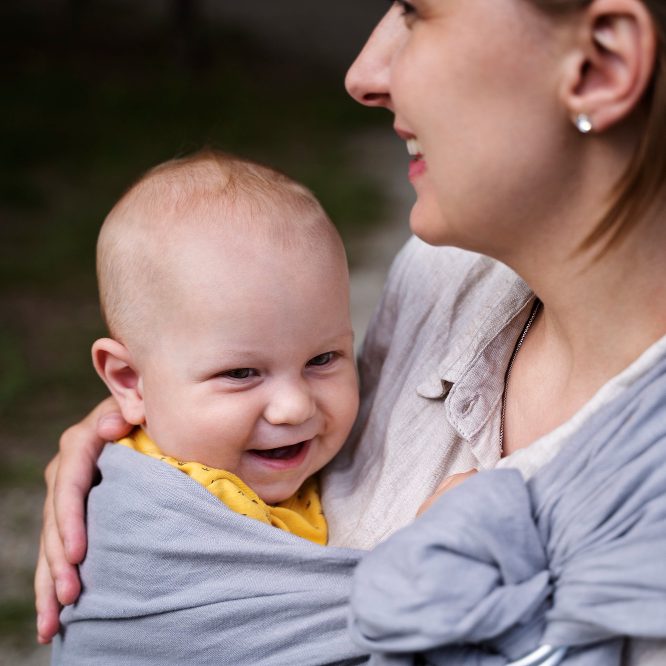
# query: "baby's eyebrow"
(339, 337)
(227, 359)
(239, 360)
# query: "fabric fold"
(575, 557)
(174, 576)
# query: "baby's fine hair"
(201, 193)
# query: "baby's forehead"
(227, 255)
(223, 282)
(211, 259)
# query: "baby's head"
(224, 286)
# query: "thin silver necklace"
(535, 309)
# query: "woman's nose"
(290, 404)
(368, 79)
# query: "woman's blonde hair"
(644, 180)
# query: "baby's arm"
(446, 485)
(69, 477)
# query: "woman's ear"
(115, 366)
(613, 62)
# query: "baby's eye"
(322, 359)
(240, 373)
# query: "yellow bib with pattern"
(301, 514)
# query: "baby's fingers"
(449, 483)
(46, 601)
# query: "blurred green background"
(93, 93)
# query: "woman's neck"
(597, 318)
(606, 311)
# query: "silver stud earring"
(583, 123)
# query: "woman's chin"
(427, 221)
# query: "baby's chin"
(279, 491)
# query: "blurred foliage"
(17, 621)
(28, 471)
(93, 96)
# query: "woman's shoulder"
(439, 305)
(448, 278)
(417, 256)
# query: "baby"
(224, 287)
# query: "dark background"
(93, 93)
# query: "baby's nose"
(292, 403)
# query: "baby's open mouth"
(281, 452)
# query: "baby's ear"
(115, 366)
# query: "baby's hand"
(446, 485)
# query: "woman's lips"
(282, 457)
(417, 166)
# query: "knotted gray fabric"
(173, 576)
(574, 557)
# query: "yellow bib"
(301, 514)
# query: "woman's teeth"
(414, 148)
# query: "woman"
(536, 130)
